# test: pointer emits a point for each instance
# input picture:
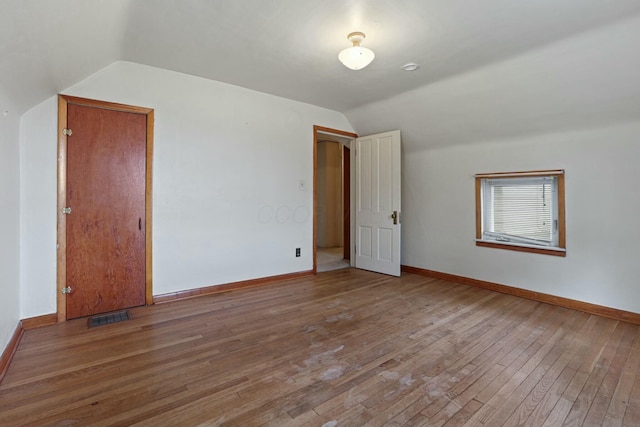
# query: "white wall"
(227, 166)
(38, 183)
(9, 226)
(602, 206)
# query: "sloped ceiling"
(47, 46)
(583, 82)
(284, 47)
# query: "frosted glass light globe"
(356, 57)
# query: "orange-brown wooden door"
(106, 155)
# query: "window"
(522, 211)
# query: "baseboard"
(10, 350)
(208, 290)
(40, 321)
(612, 313)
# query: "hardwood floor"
(343, 348)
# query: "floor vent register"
(108, 318)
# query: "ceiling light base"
(356, 37)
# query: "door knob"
(394, 216)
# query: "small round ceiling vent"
(411, 66)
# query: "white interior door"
(377, 223)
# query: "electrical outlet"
(297, 252)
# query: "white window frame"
(555, 244)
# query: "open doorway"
(332, 199)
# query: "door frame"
(61, 279)
(346, 202)
(316, 130)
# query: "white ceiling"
(283, 47)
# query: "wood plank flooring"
(343, 348)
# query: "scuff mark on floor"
(335, 303)
(337, 318)
(407, 380)
(326, 358)
(332, 373)
(390, 375)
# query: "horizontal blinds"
(521, 207)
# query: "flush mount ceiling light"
(356, 57)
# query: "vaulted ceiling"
(284, 47)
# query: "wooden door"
(105, 239)
(378, 203)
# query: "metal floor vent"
(105, 319)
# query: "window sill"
(561, 252)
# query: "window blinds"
(520, 208)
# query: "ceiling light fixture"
(356, 57)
